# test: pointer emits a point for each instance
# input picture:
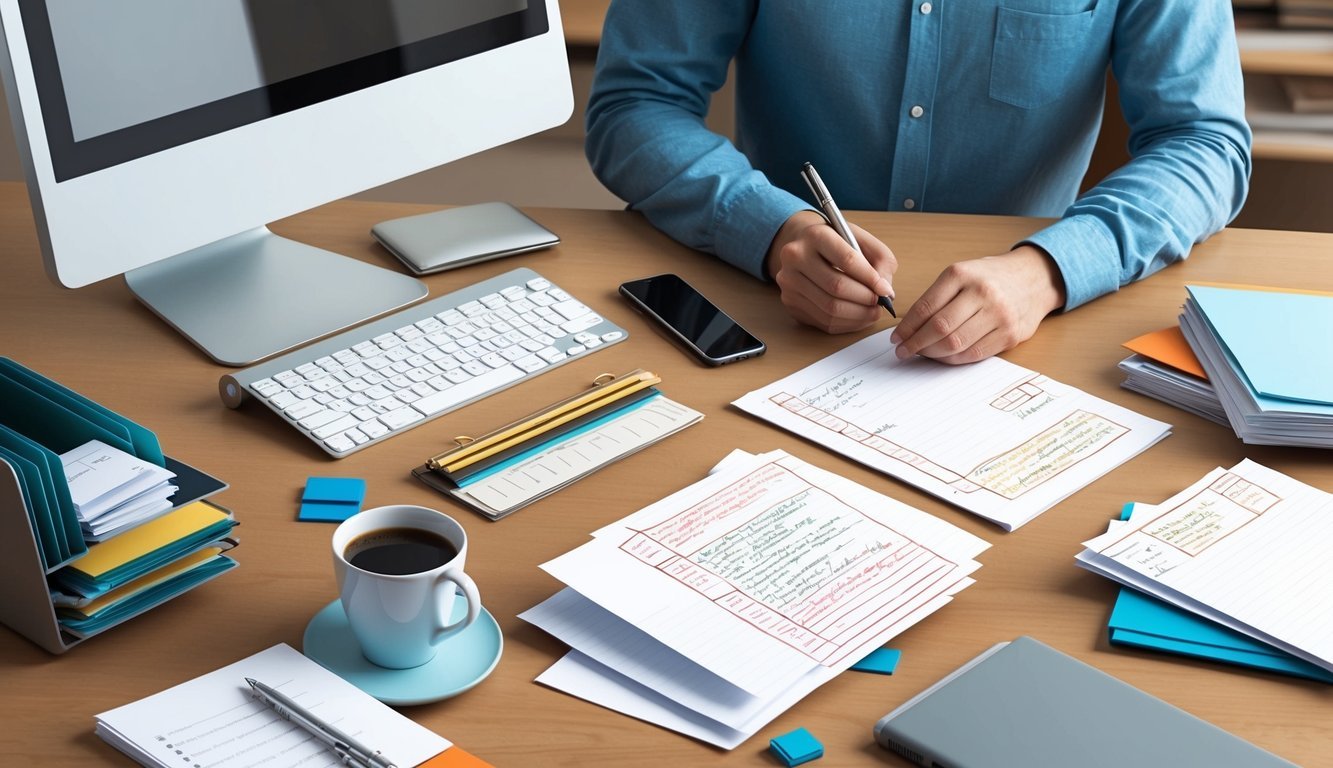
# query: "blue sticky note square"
(881, 660)
(799, 746)
(331, 499)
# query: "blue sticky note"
(881, 660)
(331, 499)
(797, 747)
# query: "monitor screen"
(122, 80)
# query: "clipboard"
(569, 439)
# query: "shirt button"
(909, 203)
(917, 111)
(926, 8)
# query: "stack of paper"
(994, 438)
(140, 568)
(1264, 352)
(1164, 367)
(213, 720)
(717, 608)
(113, 490)
(1142, 621)
(1245, 548)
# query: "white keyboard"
(362, 386)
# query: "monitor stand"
(253, 295)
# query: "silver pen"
(349, 750)
(830, 209)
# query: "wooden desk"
(99, 341)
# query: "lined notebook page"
(994, 438)
(1247, 546)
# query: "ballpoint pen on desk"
(349, 750)
(835, 219)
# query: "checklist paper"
(729, 601)
(213, 722)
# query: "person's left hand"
(982, 307)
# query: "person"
(959, 106)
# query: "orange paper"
(1168, 346)
(455, 757)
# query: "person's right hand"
(824, 282)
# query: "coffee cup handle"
(447, 580)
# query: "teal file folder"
(142, 440)
(68, 539)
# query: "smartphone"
(692, 320)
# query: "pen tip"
(250, 681)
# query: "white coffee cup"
(400, 620)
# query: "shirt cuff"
(748, 224)
(1086, 254)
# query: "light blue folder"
(1276, 341)
(1143, 621)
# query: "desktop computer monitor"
(160, 137)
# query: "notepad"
(213, 720)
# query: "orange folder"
(1168, 346)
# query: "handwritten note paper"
(994, 438)
(770, 568)
(1246, 547)
(213, 720)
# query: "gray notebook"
(1026, 704)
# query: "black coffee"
(399, 551)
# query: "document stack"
(1265, 353)
(96, 524)
(1234, 568)
(714, 610)
(1165, 368)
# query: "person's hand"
(824, 282)
(982, 307)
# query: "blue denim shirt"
(960, 106)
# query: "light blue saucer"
(462, 661)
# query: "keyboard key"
(551, 354)
(581, 323)
(340, 443)
(400, 418)
(266, 387)
(284, 399)
(342, 424)
(530, 363)
(571, 309)
(319, 418)
(373, 429)
(357, 436)
(611, 336)
(301, 409)
(576, 350)
(480, 385)
(538, 284)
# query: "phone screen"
(677, 304)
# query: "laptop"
(1023, 703)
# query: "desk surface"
(99, 341)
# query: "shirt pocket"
(1037, 55)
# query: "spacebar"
(474, 387)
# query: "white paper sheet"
(994, 438)
(770, 568)
(1245, 547)
(102, 478)
(580, 675)
(213, 721)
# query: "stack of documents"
(1165, 368)
(86, 520)
(992, 437)
(719, 607)
(1264, 351)
(154, 562)
(519, 463)
(213, 720)
(1245, 549)
(113, 490)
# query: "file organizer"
(25, 603)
